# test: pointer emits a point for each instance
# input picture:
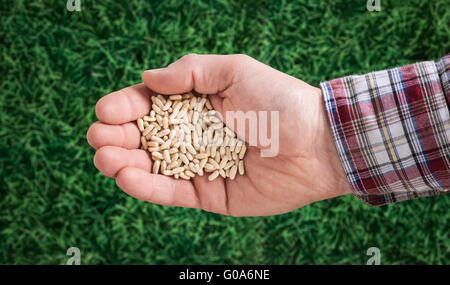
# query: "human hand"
(306, 169)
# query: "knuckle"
(189, 57)
(241, 56)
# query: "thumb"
(206, 74)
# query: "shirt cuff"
(392, 130)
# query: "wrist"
(339, 178)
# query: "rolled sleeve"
(392, 130)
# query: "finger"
(124, 105)
(125, 136)
(206, 74)
(158, 189)
(213, 194)
(216, 102)
(109, 160)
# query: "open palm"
(306, 168)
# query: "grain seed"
(241, 167)
(156, 166)
(167, 156)
(140, 124)
(213, 175)
(233, 172)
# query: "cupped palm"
(305, 169)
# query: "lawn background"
(56, 64)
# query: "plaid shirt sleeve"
(392, 130)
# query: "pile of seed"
(186, 137)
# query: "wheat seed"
(186, 137)
(241, 167)
(156, 165)
(140, 124)
(213, 175)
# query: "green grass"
(55, 65)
